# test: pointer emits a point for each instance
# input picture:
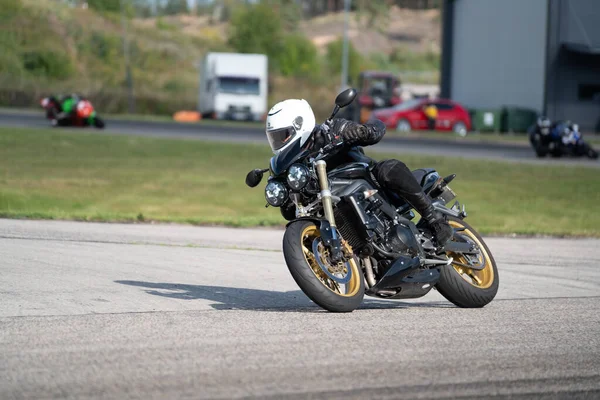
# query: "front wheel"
(337, 287)
(468, 287)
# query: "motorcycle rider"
(293, 120)
(69, 106)
(543, 125)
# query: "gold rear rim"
(351, 288)
(481, 279)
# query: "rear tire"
(460, 129)
(403, 126)
(306, 277)
(99, 123)
(456, 288)
(591, 153)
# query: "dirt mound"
(419, 31)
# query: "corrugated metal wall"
(498, 53)
(575, 22)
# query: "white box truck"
(233, 86)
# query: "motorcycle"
(560, 139)
(348, 237)
(83, 115)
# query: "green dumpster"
(519, 119)
(487, 120)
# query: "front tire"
(465, 287)
(303, 265)
(541, 153)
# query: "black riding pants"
(395, 176)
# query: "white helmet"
(289, 121)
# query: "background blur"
(501, 63)
(58, 46)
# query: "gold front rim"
(309, 234)
(481, 279)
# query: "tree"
(298, 57)
(256, 29)
(356, 62)
(375, 10)
(105, 5)
(144, 8)
(174, 7)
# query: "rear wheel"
(460, 129)
(403, 126)
(337, 287)
(591, 153)
(468, 287)
(99, 123)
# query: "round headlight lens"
(276, 193)
(298, 176)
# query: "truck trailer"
(233, 86)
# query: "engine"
(390, 237)
(401, 240)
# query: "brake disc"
(321, 253)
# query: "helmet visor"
(280, 137)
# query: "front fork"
(331, 237)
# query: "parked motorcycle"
(348, 237)
(83, 114)
(559, 139)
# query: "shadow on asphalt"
(229, 298)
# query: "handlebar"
(335, 143)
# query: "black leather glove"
(319, 138)
(350, 131)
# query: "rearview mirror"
(345, 98)
(254, 177)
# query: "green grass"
(96, 177)
(506, 138)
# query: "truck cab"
(233, 86)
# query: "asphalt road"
(478, 150)
(165, 312)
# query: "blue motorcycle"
(561, 138)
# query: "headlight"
(276, 193)
(298, 176)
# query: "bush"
(163, 25)
(9, 10)
(409, 60)
(105, 5)
(107, 47)
(50, 64)
(356, 63)
(256, 29)
(175, 86)
(298, 57)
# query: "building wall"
(498, 53)
(576, 22)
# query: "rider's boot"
(436, 220)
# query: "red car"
(410, 115)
